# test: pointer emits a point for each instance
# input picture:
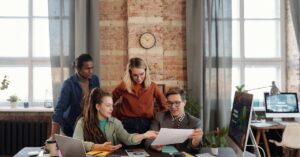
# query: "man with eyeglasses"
(176, 117)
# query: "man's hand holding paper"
(171, 136)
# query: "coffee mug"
(51, 146)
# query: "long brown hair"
(91, 128)
(136, 63)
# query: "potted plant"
(240, 88)
(4, 83)
(13, 100)
(192, 106)
(216, 139)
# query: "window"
(25, 51)
(258, 45)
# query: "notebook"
(137, 152)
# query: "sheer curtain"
(74, 29)
(209, 59)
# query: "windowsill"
(29, 109)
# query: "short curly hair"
(176, 90)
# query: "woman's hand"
(150, 134)
(107, 146)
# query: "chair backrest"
(291, 136)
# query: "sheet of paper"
(171, 136)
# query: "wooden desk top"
(223, 152)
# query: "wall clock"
(147, 40)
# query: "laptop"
(70, 147)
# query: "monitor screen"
(281, 105)
(240, 122)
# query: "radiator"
(14, 135)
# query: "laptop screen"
(70, 147)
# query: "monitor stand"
(255, 147)
(277, 120)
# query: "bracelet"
(92, 148)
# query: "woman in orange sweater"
(137, 94)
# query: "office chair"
(290, 139)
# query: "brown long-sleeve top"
(140, 103)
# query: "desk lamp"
(274, 89)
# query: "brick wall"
(123, 21)
(113, 41)
(121, 24)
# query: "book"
(169, 149)
(136, 152)
(204, 155)
(99, 153)
(187, 154)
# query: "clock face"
(147, 40)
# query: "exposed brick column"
(113, 42)
(175, 72)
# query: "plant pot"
(13, 104)
(214, 150)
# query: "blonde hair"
(136, 63)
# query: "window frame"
(242, 62)
(30, 61)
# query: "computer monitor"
(239, 125)
(283, 105)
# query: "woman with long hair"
(137, 94)
(99, 130)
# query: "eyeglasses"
(175, 103)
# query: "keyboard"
(272, 123)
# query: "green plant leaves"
(4, 83)
(192, 106)
(216, 138)
(240, 88)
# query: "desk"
(223, 152)
(261, 131)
